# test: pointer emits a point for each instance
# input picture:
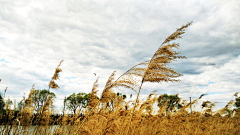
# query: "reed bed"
(111, 114)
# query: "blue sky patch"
(212, 93)
(202, 86)
(70, 77)
(3, 60)
(209, 82)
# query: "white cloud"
(103, 36)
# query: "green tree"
(8, 104)
(237, 102)
(2, 103)
(21, 105)
(71, 102)
(79, 100)
(173, 102)
(40, 97)
(124, 96)
(118, 95)
(83, 100)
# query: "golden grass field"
(132, 117)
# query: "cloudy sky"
(103, 36)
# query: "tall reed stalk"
(158, 70)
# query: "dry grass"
(115, 116)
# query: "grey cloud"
(103, 36)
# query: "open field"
(25, 130)
(116, 123)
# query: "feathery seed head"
(53, 85)
(202, 96)
(93, 101)
(236, 94)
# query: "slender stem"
(110, 87)
(134, 106)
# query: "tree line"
(81, 101)
(72, 102)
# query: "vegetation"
(2, 104)
(40, 96)
(79, 100)
(111, 114)
(237, 101)
(172, 102)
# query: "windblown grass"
(111, 114)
